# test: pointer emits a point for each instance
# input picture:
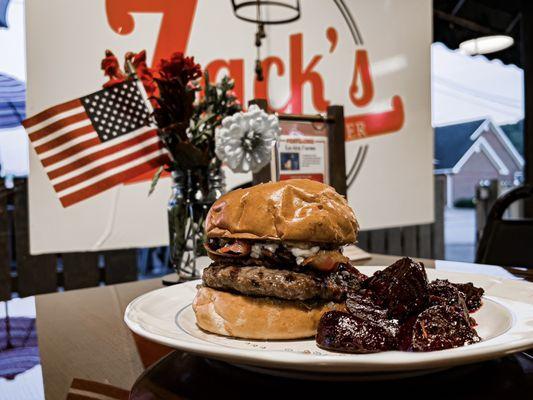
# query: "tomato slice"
(236, 248)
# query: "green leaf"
(155, 179)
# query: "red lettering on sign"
(174, 32)
(301, 76)
(363, 94)
(175, 27)
(360, 126)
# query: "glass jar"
(193, 193)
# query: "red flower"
(179, 67)
(112, 69)
(142, 70)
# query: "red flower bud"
(112, 69)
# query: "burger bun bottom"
(248, 317)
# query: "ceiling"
(455, 21)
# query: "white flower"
(245, 140)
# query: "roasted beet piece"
(401, 288)
(362, 305)
(472, 295)
(346, 277)
(441, 291)
(442, 327)
(341, 331)
(404, 339)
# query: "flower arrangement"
(186, 120)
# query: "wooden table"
(82, 335)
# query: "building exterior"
(469, 152)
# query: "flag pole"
(130, 70)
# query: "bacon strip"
(238, 248)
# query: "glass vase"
(193, 193)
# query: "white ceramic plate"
(505, 322)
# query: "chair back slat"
(5, 264)
(120, 266)
(362, 239)
(424, 241)
(410, 241)
(437, 228)
(36, 274)
(377, 241)
(80, 270)
(394, 241)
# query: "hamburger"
(277, 260)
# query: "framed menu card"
(310, 147)
(301, 152)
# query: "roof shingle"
(452, 142)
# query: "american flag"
(91, 144)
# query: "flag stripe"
(108, 168)
(44, 115)
(76, 133)
(111, 181)
(69, 144)
(57, 125)
(61, 132)
(106, 148)
(71, 151)
(96, 170)
(117, 150)
(55, 118)
(111, 172)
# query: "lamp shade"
(267, 12)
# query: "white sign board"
(372, 57)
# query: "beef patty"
(284, 284)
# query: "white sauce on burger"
(302, 254)
(258, 247)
